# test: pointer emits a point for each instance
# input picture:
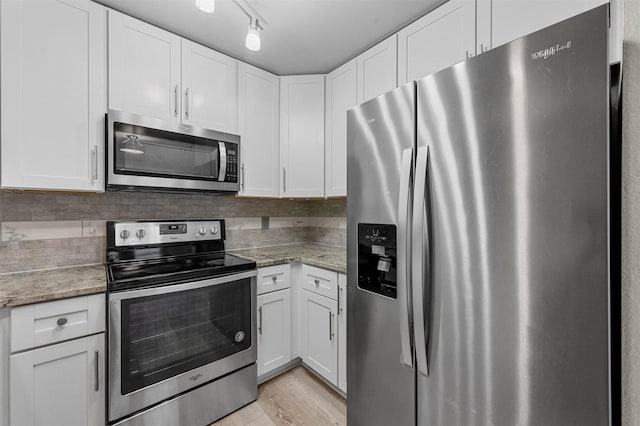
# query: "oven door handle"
(176, 288)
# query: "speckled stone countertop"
(24, 288)
(320, 255)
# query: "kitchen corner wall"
(631, 217)
(51, 230)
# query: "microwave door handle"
(404, 275)
(420, 264)
(223, 161)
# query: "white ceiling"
(299, 37)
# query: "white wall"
(631, 217)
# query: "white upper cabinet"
(259, 130)
(144, 68)
(302, 136)
(53, 84)
(155, 73)
(340, 96)
(501, 21)
(209, 88)
(443, 37)
(377, 69)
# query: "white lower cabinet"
(274, 330)
(55, 356)
(61, 384)
(319, 337)
(342, 332)
(274, 317)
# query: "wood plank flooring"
(296, 397)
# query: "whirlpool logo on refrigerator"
(551, 51)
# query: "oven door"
(166, 340)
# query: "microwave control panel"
(232, 163)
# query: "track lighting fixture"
(252, 41)
(208, 6)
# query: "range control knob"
(202, 230)
(140, 233)
(124, 234)
(214, 229)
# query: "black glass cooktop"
(170, 270)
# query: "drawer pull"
(316, 281)
(61, 321)
(274, 278)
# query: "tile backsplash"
(49, 230)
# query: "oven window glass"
(150, 152)
(169, 334)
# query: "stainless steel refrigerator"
(478, 239)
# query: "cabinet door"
(259, 130)
(512, 19)
(319, 335)
(436, 41)
(274, 330)
(61, 384)
(340, 96)
(377, 69)
(144, 68)
(53, 88)
(342, 332)
(209, 82)
(302, 136)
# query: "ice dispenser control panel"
(377, 270)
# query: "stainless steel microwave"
(149, 154)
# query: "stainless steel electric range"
(181, 324)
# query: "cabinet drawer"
(44, 323)
(272, 278)
(320, 281)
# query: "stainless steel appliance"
(478, 240)
(181, 324)
(146, 153)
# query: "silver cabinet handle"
(316, 281)
(94, 163)
(284, 180)
(483, 47)
(242, 176)
(274, 278)
(420, 263)
(470, 54)
(260, 320)
(175, 101)
(403, 244)
(61, 321)
(339, 306)
(331, 334)
(186, 103)
(97, 369)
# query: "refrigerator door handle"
(404, 237)
(421, 253)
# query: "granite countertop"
(323, 256)
(24, 288)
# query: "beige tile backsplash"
(49, 230)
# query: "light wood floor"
(293, 398)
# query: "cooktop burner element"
(145, 253)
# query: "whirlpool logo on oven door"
(551, 51)
(239, 336)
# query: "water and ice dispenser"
(377, 267)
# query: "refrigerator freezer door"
(517, 188)
(381, 386)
